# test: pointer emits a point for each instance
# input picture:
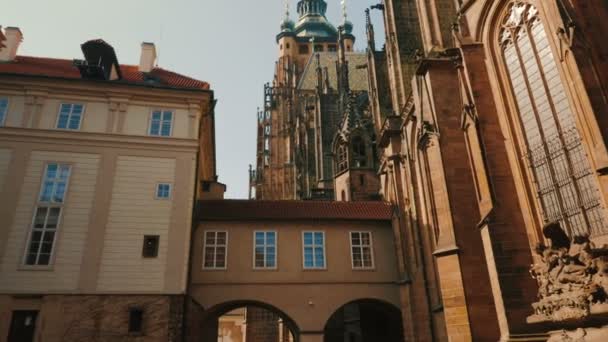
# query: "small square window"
(303, 49)
(136, 320)
(150, 248)
(163, 191)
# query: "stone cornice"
(123, 142)
(101, 91)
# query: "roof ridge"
(64, 68)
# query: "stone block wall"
(100, 318)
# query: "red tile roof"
(288, 210)
(64, 68)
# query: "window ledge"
(35, 268)
(318, 269)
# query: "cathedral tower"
(289, 162)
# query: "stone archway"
(365, 320)
(264, 323)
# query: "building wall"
(73, 318)
(63, 275)
(134, 212)
(126, 111)
(304, 294)
(480, 107)
(5, 159)
(110, 202)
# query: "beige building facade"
(98, 163)
(307, 262)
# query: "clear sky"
(228, 43)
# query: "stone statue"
(572, 278)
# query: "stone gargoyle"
(572, 278)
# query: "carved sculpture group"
(572, 278)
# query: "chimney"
(12, 42)
(148, 57)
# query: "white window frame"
(265, 246)
(5, 114)
(160, 129)
(48, 205)
(170, 195)
(361, 246)
(67, 128)
(215, 246)
(313, 250)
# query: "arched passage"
(257, 321)
(365, 320)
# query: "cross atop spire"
(344, 12)
(286, 9)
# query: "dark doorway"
(365, 321)
(23, 326)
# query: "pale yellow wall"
(95, 117)
(135, 212)
(63, 274)
(16, 105)
(96, 114)
(5, 159)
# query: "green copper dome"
(348, 27)
(312, 21)
(287, 25)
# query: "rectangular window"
(361, 250)
(314, 249)
(70, 116)
(265, 249)
(303, 49)
(47, 214)
(161, 123)
(150, 248)
(163, 191)
(3, 110)
(215, 246)
(136, 320)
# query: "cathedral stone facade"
(484, 123)
(494, 150)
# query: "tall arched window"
(342, 158)
(566, 188)
(359, 152)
